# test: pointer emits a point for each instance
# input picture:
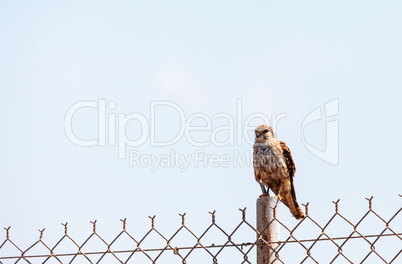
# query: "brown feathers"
(274, 167)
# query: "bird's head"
(263, 133)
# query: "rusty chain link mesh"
(306, 242)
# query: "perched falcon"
(274, 168)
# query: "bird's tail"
(296, 211)
(289, 200)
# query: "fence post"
(265, 214)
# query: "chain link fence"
(338, 240)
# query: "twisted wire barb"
(244, 249)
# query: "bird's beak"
(257, 135)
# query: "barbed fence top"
(338, 240)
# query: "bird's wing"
(288, 159)
(291, 202)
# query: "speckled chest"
(269, 161)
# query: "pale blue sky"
(275, 57)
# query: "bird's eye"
(265, 130)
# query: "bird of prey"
(274, 168)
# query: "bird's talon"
(279, 197)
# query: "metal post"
(268, 229)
